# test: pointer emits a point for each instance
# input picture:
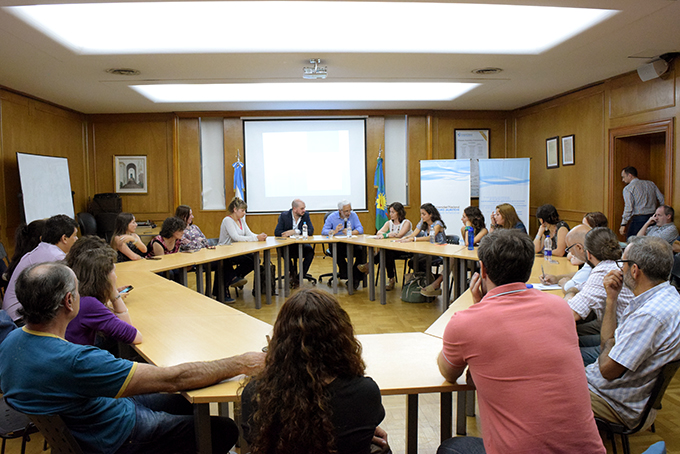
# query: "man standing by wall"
(640, 198)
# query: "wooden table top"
(465, 300)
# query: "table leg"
(456, 278)
(301, 266)
(202, 428)
(256, 284)
(350, 271)
(470, 403)
(412, 424)
(461, 422)
(428, 268)
(334, 247)
(199, 278)
(371, 275)
(445, 283)
(278, 263)
(268, 275)
(183, 276)
(446, 415)
(462, 276)
(383, 292)
(220, 281)
(286, 271)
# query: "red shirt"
(522, 350)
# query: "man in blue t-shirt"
(41, 373)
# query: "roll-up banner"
(504, 181)
(446, 184)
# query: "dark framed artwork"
(552, 153)
(568, 150)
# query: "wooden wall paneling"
(149, 135)
(576, 189)
(417, 151)
(375, 139)
(629, 95)
(31, 126)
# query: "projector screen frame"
(363, 119)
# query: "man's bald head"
(577, 234)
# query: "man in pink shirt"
(522, 352)
(58, 236)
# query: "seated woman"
(168, 240)
(472, 217)
(505, 217)
(26, 238)
(102, 309)
(430, 221)
(549, 223)
(397, 227)
(193, 239)
(125, 241)
(595, 219)
(312, 396)
(235, 229)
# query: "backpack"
(410, 291)
(263, 279)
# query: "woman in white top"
(397, 227)
(233, 230)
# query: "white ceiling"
(34, 64)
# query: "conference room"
(583, 88)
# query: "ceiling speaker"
(652, 70)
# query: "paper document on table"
(546, 286)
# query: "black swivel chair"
(87, 224)
(654, 401)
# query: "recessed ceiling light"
(123, 71)
(280, 26)
(487, 71)
(301, 91)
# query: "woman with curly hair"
(312, 396)
(473, 217)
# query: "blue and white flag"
(239, 188)
(380, 199)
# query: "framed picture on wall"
(552, 152)
(130, 174)
(472, 144)
(568, 150)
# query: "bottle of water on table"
(349, 229)
(470, 232)
(304, 231)
(547, 248)
(432, 235)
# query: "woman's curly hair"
(313, 343)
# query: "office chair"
(53, 428)
(14, 424)
(611, 428)
(87, 224)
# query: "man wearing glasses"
(601, 250)
(636, 346)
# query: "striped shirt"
(640, 197)
(668, 232)
(647, 338)
(593, 296)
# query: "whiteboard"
(45, 185)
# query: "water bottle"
(432, 235)
(547, 248)
(304, 231)
(349, 229)
(470, 237)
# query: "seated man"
(336, 222)
(602, 250)
(41, 373)
(533, 395)
(636, 346)
(661, 225)
(576, 253)
(292, 220)
(59, 234)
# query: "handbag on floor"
(410, 291)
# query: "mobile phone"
(126, 289)
(153, 258)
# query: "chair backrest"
(662, 382)
(53, 428)
(87, 224)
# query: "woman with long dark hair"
(193, 238)
(396, 227)
(26, 238)
(125, 241)
(312, 396)
(550, 223)
(473, 217)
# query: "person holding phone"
(102, 309)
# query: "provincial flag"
(380, 199)
(239, 188)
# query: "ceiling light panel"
(307, 26)
(324, 91)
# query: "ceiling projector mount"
(316, 72)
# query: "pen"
(542, 271)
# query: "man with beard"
(647, 336)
